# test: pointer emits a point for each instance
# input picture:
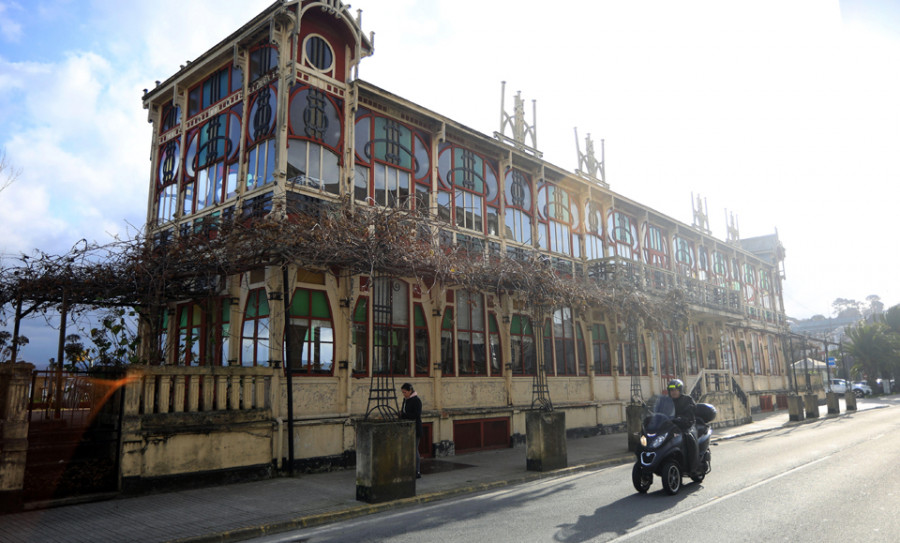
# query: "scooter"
(662, 449)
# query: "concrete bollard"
(834, 406)
(811, 401)
(633, 423)
(385, 461)
(795, 409)
(545, 440)
(850, 401)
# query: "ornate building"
(273, 118)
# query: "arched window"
(390, 326)
(522, 351)
(556, 217)
(593, 231)
(559, 342)
(622, 236)
(393, 162)
(211, 161)
(749, 284)
(471, 339)
(255, 330)
(720, 269)
(602, 357)
(519, 212)
(261, 137)
(656, 247)
(311, 345)
(684, 256)
(448, 366)
(468, 194)
(361, 336)
(169, 157)
(315, 140)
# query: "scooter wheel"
(641, 480)
(671, 477)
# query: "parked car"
(841, 386)
(861, 386)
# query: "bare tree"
(8, 174)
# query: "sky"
(784, 114)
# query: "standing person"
(684, 418)
(412, 410)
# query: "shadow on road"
(622, 515)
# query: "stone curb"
(319, 519)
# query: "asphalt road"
(829, 480)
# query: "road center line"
(715, 501)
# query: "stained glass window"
(393, 162)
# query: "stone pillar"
(14, 383)
(795, 408)
(545, 440)
(385, 460)
(850, 401)
(633, 423)
(834, 406)
(811, 401)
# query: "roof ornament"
(734, 234)
(701, 214)
(517, 125)
(588, 166)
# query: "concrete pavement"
(245, 510)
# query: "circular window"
(318, 53)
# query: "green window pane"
(492, 324)
(195, 316)
(448, 319)
(263, 304)
(165, 319)
(252, 302)
(419, 316)
(515, 326)
(361, 310)
(182, 318)
(548, 329)
(320, 307)
(226, 311)
(578, 332)
(300, 303)
(526, 329)
(599, 332)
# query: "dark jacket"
(684, 410)
(412, 410)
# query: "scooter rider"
(684, 418)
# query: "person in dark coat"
(412, 410)
(685, 418)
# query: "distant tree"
(76, 355)
(873, 348)
(6, 345)
(875, 305)
(846, 308)
(8, 174)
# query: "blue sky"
(782, 112)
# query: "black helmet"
(676, 384)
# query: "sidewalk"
(240, 511)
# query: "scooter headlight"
(658, 439)
(643, 440)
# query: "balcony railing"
(178, 389)
(659, 282)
